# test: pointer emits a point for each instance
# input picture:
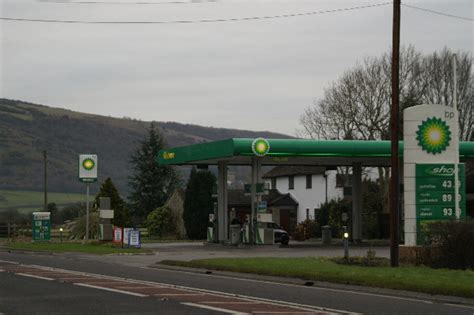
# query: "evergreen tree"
(198, 203)
(152, 184)
(122, 215)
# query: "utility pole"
(45, 160)
(394, 124)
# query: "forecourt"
(259, 152)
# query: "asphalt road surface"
(70, 284)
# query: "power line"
(124, 3)
(198, 21)
(437, 12)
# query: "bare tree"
(357, 105)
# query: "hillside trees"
(122, 215)
(151, 184)
(198, 203)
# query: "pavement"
(197, 250)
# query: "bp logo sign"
(88, 164)
(260, 147)
(88, 167)
(433, 135)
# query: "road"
(58, 290)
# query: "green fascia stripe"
(289, 148)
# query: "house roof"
(237, 197)
(288, 170)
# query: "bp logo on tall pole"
(260, 147)
(88, 168)
(87, 174)
(433, 135)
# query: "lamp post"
(346, 242)
(61, 234)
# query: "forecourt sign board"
(429, 157)
(41, 229)
(88, 168)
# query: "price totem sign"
(435, 196)
(87, 174)
(41, 226)
(430, 158)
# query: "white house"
(311, 186)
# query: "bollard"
(346, 242)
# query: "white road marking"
(130, 288)
(178, 294)
(212, 308)
(243, 303)
(33, 276)
(110, 289)
(273, 312)
(460, 305)
(213, 292)
(299, 286)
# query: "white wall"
(310, 198)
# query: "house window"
(309, 181)
(291, 182)
(307, 213)
(274, 183)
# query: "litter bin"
(235, 234)
(326, 234)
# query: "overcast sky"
(257, 74)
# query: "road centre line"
(213, 302)
(460, 305)
(212, 308)
(33, 276)
(130, 288)
(178, 294)
(110, 289)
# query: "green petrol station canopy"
(238, 151)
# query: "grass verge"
(410, 278)
(90, 248)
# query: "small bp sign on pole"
(431, 157)
(87, 174)
(88, 168)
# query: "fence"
(11, 230)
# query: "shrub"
(160, 222)
(337, 208)
(450, 244)
(307, 229)
(78, 232)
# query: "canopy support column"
(256, 178)
(222, 211)
(357, 202)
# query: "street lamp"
(61, 234)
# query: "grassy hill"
(29, 201)
(27, 129)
